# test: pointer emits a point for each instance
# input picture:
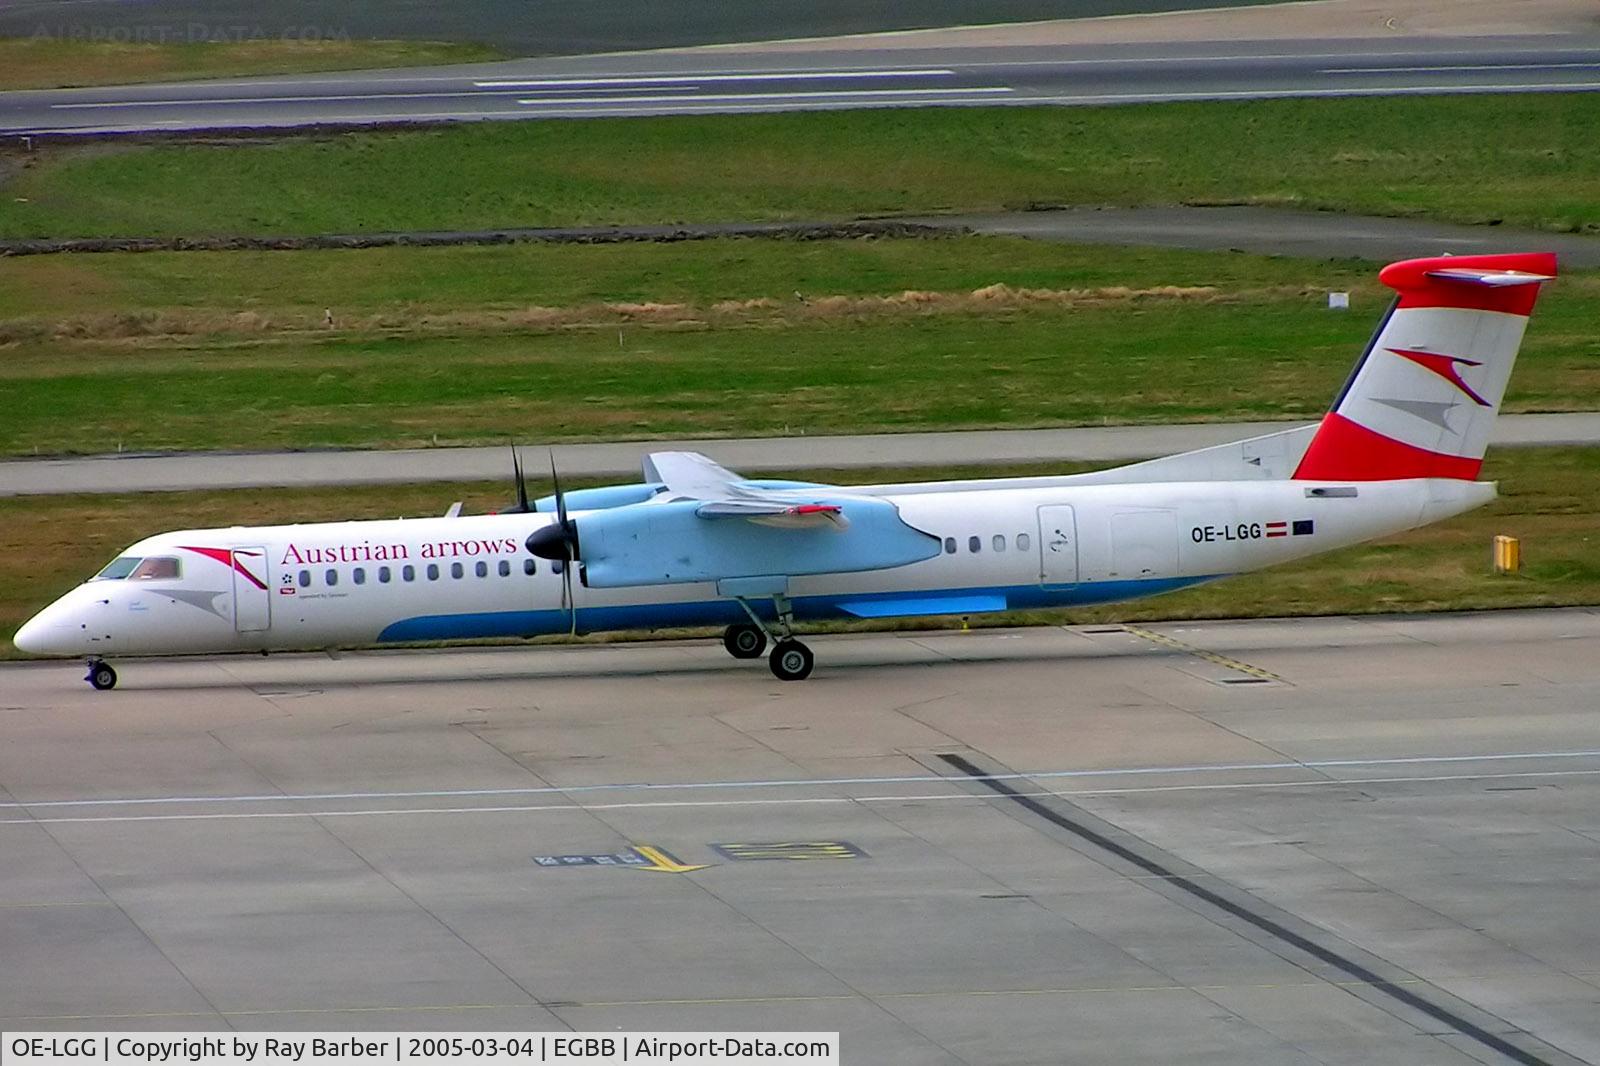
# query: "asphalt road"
(146, 473)
(954, 74)
(1387, 850)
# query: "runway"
(735, 81)
(1320, 840)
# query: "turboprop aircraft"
(693, 544)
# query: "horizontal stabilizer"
(924, 605)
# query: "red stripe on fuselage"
(1343, 450)
(225, 557)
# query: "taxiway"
(1324, 840)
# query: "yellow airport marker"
(1507, 554)
(661, 861)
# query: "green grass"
(1525, 159)
(1550, 498)
(53, 63)
(463, 345)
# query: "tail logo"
(1445, 367)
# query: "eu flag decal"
(1304, 528)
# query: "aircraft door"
(252, 593)
(1058, 545)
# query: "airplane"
(694, 544)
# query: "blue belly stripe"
(484, 624)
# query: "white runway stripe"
(816, 94)
(674, 79)
(791, 801)
(825, 782)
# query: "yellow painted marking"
(791, 849)
(661, 861)
(1200, 653)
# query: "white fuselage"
(1012, 545)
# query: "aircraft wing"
(724, 494)
(690, 475)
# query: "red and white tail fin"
(1422, 400)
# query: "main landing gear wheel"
(791, 661)
(744, 641)
(101, 676)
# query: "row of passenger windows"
(996, 543)
(385, 574)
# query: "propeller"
(558, 542)
(522, 506)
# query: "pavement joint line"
(641, 786)
(793, 801)
(1201, 653)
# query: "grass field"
(53, 63)
(1522, 159)
(461, 345)
(1550, 498)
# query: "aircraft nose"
(46, 633)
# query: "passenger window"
(409, 573)
(505, 568)
(383, 575)
(331, 577)
(528, 567)
(999, 542)
(974, 544)
(950, 545)
(305, 579)
(359, 575)
(557, 565)
(433, 571)
(455, 570)
(482, 569)
(158, 568)
(1022, 542)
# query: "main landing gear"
(745, 641)
(790, 660)
(100, 675)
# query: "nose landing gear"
(100, 675)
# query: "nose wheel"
(100, 675)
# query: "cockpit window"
(155, 568)
(118, 568)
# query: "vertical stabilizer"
(1422, 400)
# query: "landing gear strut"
(744, 641)
(790, 660)
(100, 675)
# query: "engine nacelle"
(663, 544)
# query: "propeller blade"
(522, 484)
(561, 500)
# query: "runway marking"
(486, 89)
(815, 94)
(670, 79)
(1200, 653)
(1460, 66)
(794, 782)
(791, 801)
(1277, 94)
